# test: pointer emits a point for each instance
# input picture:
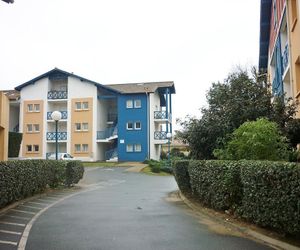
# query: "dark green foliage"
(216, 183)
(292, 130)
(175, 152)
(21, 179)
(14, 143)
(263, 192)
(238, 99)
(155, 166)
(271, 195)
(163, 155)
(74, 172)
(182, 176)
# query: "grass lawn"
(147, 170)
(100, 164)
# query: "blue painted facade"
(132, 136)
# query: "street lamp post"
(56, 116)
(169, 136)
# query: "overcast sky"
(190, 42)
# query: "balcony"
(285, 57)
(108, 134)
(57, 95)
(162, 116)
(64, 115)
(160, 135)
(111, 155)
(61, 136)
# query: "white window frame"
(34, 147)
(37, 107)
(79, 146)
(129, 148)
(138, 147)
(29, 107)
(136, 105)
(129, 104)
(85, 126)
(27, 147)
(135, 127)
(29, 126)
(76, 105)
(83, 105)
(36, 128)
(76, 126)
(127, 127)
(85, 148)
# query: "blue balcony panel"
(61, 136)
(107, 133)
(160, 135)
(285, 57)
(55, 94)
(64, 115)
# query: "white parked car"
(61, 156)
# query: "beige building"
(4, 126)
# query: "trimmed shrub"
(216, 183)
(14, 143)
(21, 179)
(182, 176)
(271, 195)
(74, 172)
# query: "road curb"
(277, 244)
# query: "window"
(29, 148)
(78, 105)
(129, 104)
(36, 127)
(36, 107)
(129, 125)
(137, 125)
(29, 128)
(29, 107)
(36, 148)
(85, 126)
(77, 126)
(137, 147)
(77, 147)
(129, 148)
(137, 103)
(85, 147)
(85, 105)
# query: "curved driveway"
(126, 211)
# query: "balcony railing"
(160, 115)
(61, 136)
(160, 135)
(112, 117)
(285, 57)
(64, 115)
(111, 154)
(107, 133)
(55, 94)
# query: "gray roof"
(145, 87)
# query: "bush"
(20, 179)
(271, 192)
(257, 140)
(216, 183)
(182, 176)
(74, 172)
(14, 144)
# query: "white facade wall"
(154, 103)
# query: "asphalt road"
(128, 211)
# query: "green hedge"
(263, 192)
(14, 143)
(271, 195)
(216, 183)
(21, 179)
(180, 169)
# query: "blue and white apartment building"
(121, 122)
